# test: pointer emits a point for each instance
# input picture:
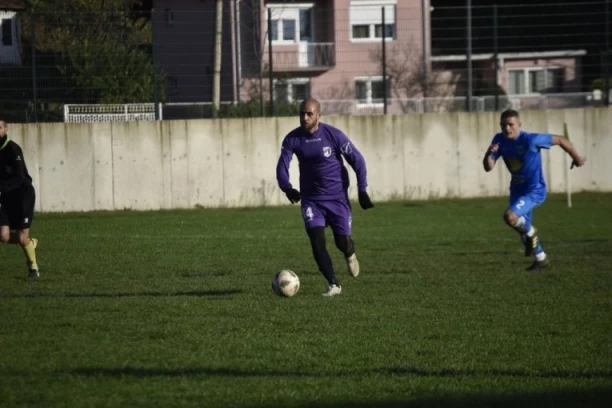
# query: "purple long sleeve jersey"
(322, 172)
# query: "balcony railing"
(303, 56)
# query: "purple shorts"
(333, 213)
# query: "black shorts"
(17, 208)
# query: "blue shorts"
(523, 203)
(333, 213)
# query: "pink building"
(328, 49)
(331, 50)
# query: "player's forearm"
(362, 179)
(357, 162)
(282, 178)
(488, 163)
(568, 147)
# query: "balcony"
(303, 57)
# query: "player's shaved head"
(509, 113)
(310, 105)
(310, 112)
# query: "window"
(536, 80)
(366, 19)
(370, 91)
(292, 23)
(288, 29)
(274, 30)
(7, 31)
(361, 31)
(546, 81)
(292, 90)
(389, 30)
(516, 82)
(305, 24)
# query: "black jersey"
(14, 174)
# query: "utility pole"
(217, 71)
(468, 99)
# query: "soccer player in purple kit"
(520, 151)
(324, 183)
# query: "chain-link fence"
(242, 58)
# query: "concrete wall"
(229, 163)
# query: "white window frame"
(527, 83)
(291, 81)
(371, 25)
(291, 10)
(368, 80)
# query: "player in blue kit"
(520, 151)
(324, 183)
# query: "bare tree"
(337, 99)
(257, 36)
(409, 78)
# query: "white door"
(303, 59)
(305, 46)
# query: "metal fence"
(237, 58)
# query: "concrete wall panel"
(229, 163)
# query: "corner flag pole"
(568, 181)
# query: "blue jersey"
(523, 160)
(322, 172)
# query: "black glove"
(364, 200)
(293, 195)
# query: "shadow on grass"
(593, 398)
(445, 372)
(585, 397)
(390, 372)
(417, 204)
(195, 293)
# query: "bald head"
(310, 112)
(310, 104)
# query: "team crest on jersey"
(327, 151)
(515, 165)
(346, 148)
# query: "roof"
(13, 5)
(512, 55)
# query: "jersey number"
(520, 204)
(308, 214)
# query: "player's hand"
(293, 195)
(493, 148)
(364, 200)
(578, 162)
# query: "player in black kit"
(17, 198)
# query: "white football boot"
(353, 265)
(333, 290)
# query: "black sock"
(345, 244)
(321, 256)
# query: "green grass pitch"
(174, 308)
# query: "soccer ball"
(285, 283)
